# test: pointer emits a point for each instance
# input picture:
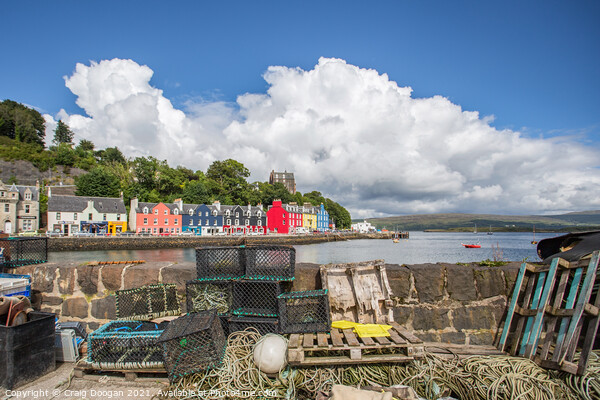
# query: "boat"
(490, 231)
(534, 241)
(472, 245)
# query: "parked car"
(186, 233)
(53, 233)
(82, 234)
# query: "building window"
(227, 213)
(214, 213)
(7, 208)
(237, 215)
(145, 221)
(154, 229)
(215, 224)
(166, 212)
(156, 212)
(284, 222)
(145, 210)
(237, 221)
(176, 211)
(89, 216)
(118, 217)
(228, 222)
(74, 216)
(166, 221)
(27, 196)
(155, 223)
(207, 222)
(259, 222)
(104, 217)
(57, 214)
(247, 222)
(191, 212)
(176, 222)
(206, 214)
(191, 222)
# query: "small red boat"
(472, 246)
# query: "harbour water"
(422, 247)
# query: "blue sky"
(534, 66)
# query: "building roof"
(35, 192)
(104, 205)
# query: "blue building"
(322, 219)
(210, 218)
(190, 221)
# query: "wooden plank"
(383, 341)
(396, 338)
(336, 337)
(367, 340)
(536, 329)
(511, 308)
(405, 334)
(586, 291)
(342, 360)
(571, 299)
(308, 340)
(592, 328)
(527, 333)
(294, 340)
(554, 311)
(322, 339)
(521, 321)
(350, 337)
(525, 312)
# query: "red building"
(284, 218)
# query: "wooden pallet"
(553, 310)
(85, 370)
(340, 347)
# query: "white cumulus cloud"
(349, 132)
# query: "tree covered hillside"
(147, 178)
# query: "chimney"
(37, 184)
(217, 205)
(179, 204)
(249, 207)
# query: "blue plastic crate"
(26, 291)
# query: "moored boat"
(472, 245)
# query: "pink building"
(155, 219)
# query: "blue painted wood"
(534, 305)
(511, 308)
(534, 335)
(586, 291)
(570, 303)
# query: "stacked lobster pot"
(242, 283)
(131, 342)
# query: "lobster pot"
(17, 251)
(220, 262)
(262, 325)
(126, 345)
(207, 294)
(147, 302)
(275, 263)
(193, 343)
(306, 311)
(256, 298)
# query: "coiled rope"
(433, 377)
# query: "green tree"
(99, 182)
(111, 154)
(65, 155)
(85, 145)
(21, 123)
(63, 134)
(230, 185)
(195, 192)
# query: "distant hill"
(585, 220)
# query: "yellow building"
(115, 227)
(309, 217)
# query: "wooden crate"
(340, 347)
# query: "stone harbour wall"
(462, 304)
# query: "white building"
(363, 227)
(71, 214)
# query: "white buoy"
(270, 353)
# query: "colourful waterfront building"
(210, 219)
(284, 218)
(69, 215)
(322, 219)
(309, 217)
(155, 218)
(244, 220)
